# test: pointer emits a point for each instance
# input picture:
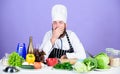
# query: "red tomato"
(51, 61)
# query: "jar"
(115, 58)
(109, 51)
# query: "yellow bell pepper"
(30, 58)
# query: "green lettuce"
(15, 59)
(102, 60)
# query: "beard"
(63, 34)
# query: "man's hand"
(56, 34)
(63, 57)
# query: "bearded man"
(59, 42)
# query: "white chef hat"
(59, 12)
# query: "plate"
(101, 69)
(10, 69)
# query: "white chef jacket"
(78, 53)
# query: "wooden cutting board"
(71, 60)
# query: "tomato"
(30, 58)
(37, 65)
(51, 61)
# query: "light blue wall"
(96, 22)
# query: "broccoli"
(91, 63)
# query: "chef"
(60, 42)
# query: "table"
(50, 70)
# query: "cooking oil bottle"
(30, 48)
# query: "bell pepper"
(30, 58)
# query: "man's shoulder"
(49, 32)
(69, 31)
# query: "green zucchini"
(27, 66)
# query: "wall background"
(96, 22)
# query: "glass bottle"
(30, 48)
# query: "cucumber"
(27, 67)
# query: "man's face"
(58, 24)
(61, 25)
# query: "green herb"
(15, 59)
(65, 66)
